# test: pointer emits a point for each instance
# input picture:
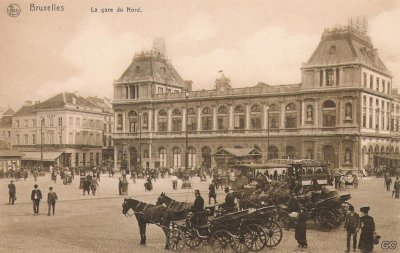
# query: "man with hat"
(198, 207)
(229, 204)
(51, 200)
(11, 192)
(352, 225)
(36, 196)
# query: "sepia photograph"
(231, 126)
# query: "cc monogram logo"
(389, 244)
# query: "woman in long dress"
(300, 233)
(366, 243)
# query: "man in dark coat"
(396, 188)
(352, 225)
(212, 194)
(367, 231)
(36, 196)
(11, 192)
(229, 204)
(300, 233)
(51, 200)
(86, 186)
(197, 208)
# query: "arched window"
(239, 117)
(163, 157)
(273, 116)
(162, 121)
(272, 152)
(145, 121)
(192, 120)
(255, 117)
(177, 157)
(176, 120)
(206, 119)
(328, 114)
(133, 122)
(191, 157)
(222, 117)
(291, 116)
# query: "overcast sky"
(43, 53)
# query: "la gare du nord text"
(112, 10)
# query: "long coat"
(367, 233)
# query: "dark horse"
(180, 209)
(275, 193)
(148, 213)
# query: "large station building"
(344, 111)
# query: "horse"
(148, 213)
(180, 209)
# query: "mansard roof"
(151, 66)
(9, 112)
(26, 110)
(346, 45)
(64, 98)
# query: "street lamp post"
(186, 132)
(41, 142)
(267, 132)
(140, 140)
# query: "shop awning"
(36, 156)
(237, 152)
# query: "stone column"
(282, 116)
(184, 119)
(150, 157)
(124, 122)
(199, 119)
(316, 112)
(214, 123)
(264, 117)
(116, 150)
(169, 113)
(302, 113)
(156, 121)
(150, 120)
(334, 76)
(247, 117)
(231, 117)
(324, 77)
(341, 79)
(340, 153)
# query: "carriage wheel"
(192, 241)
(222, 241)
(326, 220)
(274, 233)
(176, 240)
(243, 240)
(259, 237)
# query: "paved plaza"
(96, 224)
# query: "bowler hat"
(50, 188)
(364, 209)
(227, 188)
(35, 186)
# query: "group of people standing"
(36, 197)
(388, 182)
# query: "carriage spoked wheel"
(326, 219)
(274, 234)
(192, 240)
(259, 237)
(176, 240)
(222, 242)
(243, 240)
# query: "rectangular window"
(119, 121)
(33, 123)
(71, 121)
(192, 123)
(365, 79)
(383, 86)
(370, 102)
(60, 122)
(371, 82)
(160, 90)
(377, 84)
(33, 139)
(329, 80)
(84, 159)
(26, 139)
(78, 122)
(132, 92)
(168, 90)
(51, 120)
(321, 78)
(17, 139)
(364, 120)
(126, 92)
(370, 120)
(70, 138)
(365, 101)
(76, 159)
(17, 123)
